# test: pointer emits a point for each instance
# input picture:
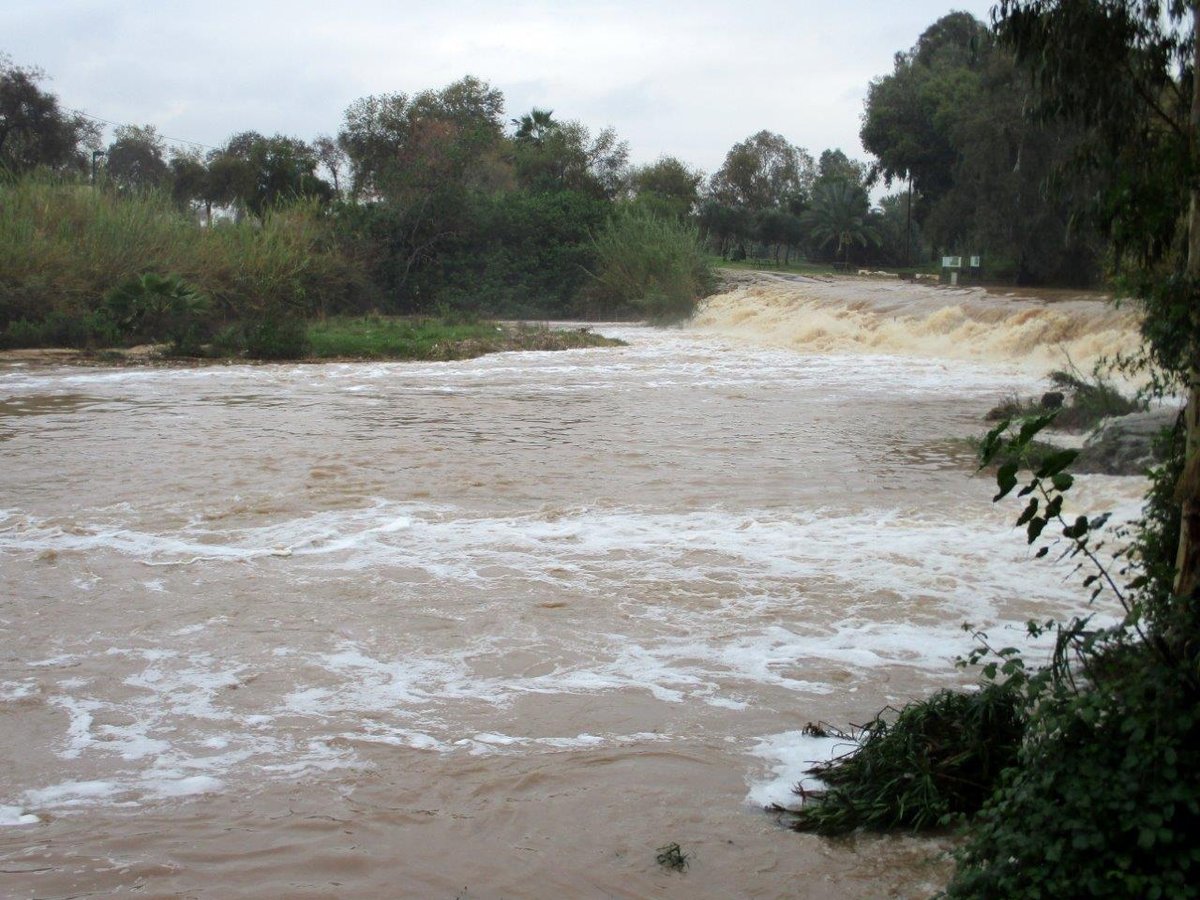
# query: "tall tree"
(1130, 70)
(255, 173)
(762, 172)
(397, 144)
(668, 185)
(330, 155)
(564, 156)
(136, 159)
(839, 215)
(835, 165)
(34, 130)
(190, 182)
(952, 121)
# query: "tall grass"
(650, 266)
(64, 245)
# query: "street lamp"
(96, 154)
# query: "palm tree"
(839, 213)
(534, 126)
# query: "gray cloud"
(687, 79)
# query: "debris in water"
(672, 857)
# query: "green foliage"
(452, 337)
(390, 338)
(35, 132)
(277, 336)
(952, 119)
(652, 267)
(1088, 401)
(927, 765)
(520, 254)
(1104, 801)
(1095, 786)
(136, 159)
(762, 172)
(839, 216)
(64, 246)
(668, 186)
(156, 308)
(1091, 400)
(58, 329)
(1105, 797)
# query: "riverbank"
(371, 338)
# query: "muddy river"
(504, 627)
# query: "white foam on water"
(73, 793)
(711, 606)
(16, 815)
(884, 552)
(12, 691)
(788, 757)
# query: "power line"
(127, 125)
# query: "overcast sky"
(681, 78)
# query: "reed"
(64, 245)
(653, 267)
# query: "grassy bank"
(383, 337)
(337, 338)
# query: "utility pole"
(908, 226)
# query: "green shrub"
(1105, 800)
(277, 337)
(156, 308)
(932, 762)
(652, 267)
(1090, 401)
(58, 329)
(1087, 402)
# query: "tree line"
(437, 199)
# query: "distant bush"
(649, 266)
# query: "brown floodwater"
(504, 627)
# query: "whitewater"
(503, 627)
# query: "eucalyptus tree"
(256, 173)
(34, 130)
(762, 172)
(1130, 70)
(906, 115)
(952, 121)
(398, 144)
